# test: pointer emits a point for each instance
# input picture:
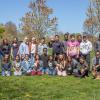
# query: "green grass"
(49, 88)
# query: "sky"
(70, 13)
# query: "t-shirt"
(85, 47)
(44, 59)
(72, 48)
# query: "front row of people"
(61, 65)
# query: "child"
(51, 64)
(82, 68)
(17, 66)
(61, 66)
(44, 59)
(27, 65)
(6, 66)
(96, 66)
(37, 65)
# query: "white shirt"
(33, 48)
(85, 47)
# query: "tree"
(92, 22)
(10, 29)
(2, 30)
(37, 21)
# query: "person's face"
(72, 38)
(43, 41)
(81, 60)
(57, 38)
(17, 58)
(27, 57)
(66, 37)
(79, 38)
(61, 57)
(45, 51)
(37, 57)
(84, 38)
(51, 58)
(6, 57)
(5, 41)
(98, 54)
(33, 40)
(15, 40)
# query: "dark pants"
(87, 58)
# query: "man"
(57, 46)
(86, 48)
(41, 46)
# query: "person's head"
(66, 35)
(37, 57)
(72, 37)
(45, 51)
(15, 40)
(43, 40)
(33, 40)
(6, 57)
(56, 37)
(85, 38)
(25, 40)
(81, 59)
(5, 41)
(52, 39)
(69, 58)
(17, 58)
(50, 58)
(27, 57)
(98, 54)
(79, 37)
(61, 57)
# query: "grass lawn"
(49, 88)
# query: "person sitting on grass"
(96, 66)
(37, 65)
(6, 65)
(27, 65)
(17, 66)
(61, 66)
(71, 65)
(44, 59)
(82, 69)
(52, 65)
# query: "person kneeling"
(96, 66)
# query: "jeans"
(52, 71)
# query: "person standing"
(85, 49)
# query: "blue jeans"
(6, 73)
(44, 70)
(52, 71)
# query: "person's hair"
(3, 42)
(56, 35)
(82, 57)
(72, 35)
(44, 49)
(97, 52)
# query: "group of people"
(53, 57)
